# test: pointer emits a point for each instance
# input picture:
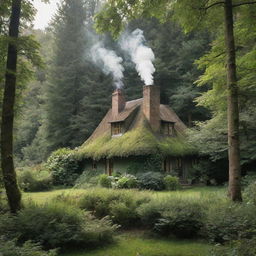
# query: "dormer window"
(168, 128)
(116, 128)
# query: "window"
(116, 128)
(168, 128)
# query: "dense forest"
(64, 103)
(56, 86)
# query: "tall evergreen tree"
(65, 90)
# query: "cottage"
(135, 131)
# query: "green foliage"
(87, 179)
(250, 193)
(119, 205)
(242, 247)
(177, 216)
(153, 163)
(151, 180)
(3, 202)
(105, 180)
(248, 179)
(228, 221)
(10, 248)
(56, 225)
(127, 181)
(64, 167)
(171, 182)
(34, 179)
(135, 167)
(76, 90)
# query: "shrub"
(151, 180)
(105, 181)
(127, 181)
(56, 225)
(3, 202)
(242, 247)
(33, 180)
(171, 182)
(177, 216)
(9, 248)
(248, 180)
(230, 221)
(124, 213)
(64, 167)
(119, 205)
(250, 193)
(87, 179)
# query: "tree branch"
(211, 5)
(239, 4)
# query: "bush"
(171, 182)
(151, 180)
(173, 216)
(87, 179)
(248, 180)
(242, 247)
(230, 221)
(33, 180)
(119, 205)
(127, 181)
(64, 167)
(56, 225)
(9, 248)
(105, 181)
(250, 193)
(3, 202)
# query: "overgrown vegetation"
(32, 179)
(10, 248)
(56, 225)
(121, 206)
(139, 141)
(64, 167)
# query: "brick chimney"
(118, 102)
(151, 106)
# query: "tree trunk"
(9, 175)
(233, 111)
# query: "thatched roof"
(138, 139)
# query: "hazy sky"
(44, 12)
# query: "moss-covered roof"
(139, 139)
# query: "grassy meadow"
(140, 242)
(191, 192)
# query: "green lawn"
(135, 244)
(198, 192)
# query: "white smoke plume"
(109, 62)
(141, 55)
